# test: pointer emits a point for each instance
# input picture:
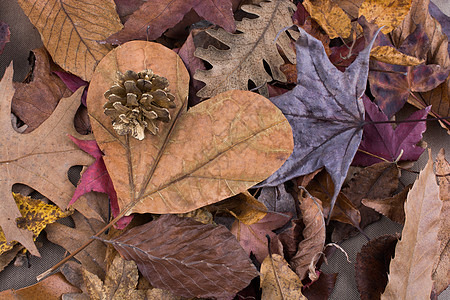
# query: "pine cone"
(138, 101)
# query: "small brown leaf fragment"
(441, 269)
(278, 281)
(391, 55)
(392, 207)
(158, 294)
(277, 199)
(51, 288)
(8, 256)
(4, 35)
(415, 254)
(70, 31)
(372, 266)
(34, 102)
(387, 13)
(322, 288)
(186, 257)
(310, 248)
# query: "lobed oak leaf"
(186, 257)
(384, 142)
(253, 237)
(153, 18)
(70, 31)
(372, 266)
(198, 157)
(416, 252)
(326, 113)
(34, 102)
(385, 13)
(278, 281)
(243, 62)
(35, 159)
(4, 35)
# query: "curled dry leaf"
(233, 68)
(326, 113)
(186, 257)
(199, 157)
(372, 266)
(387, 13)
(70, 31)
(441, 269)
(330, 16)
(34, 102)
(415, 254)
(34, 159)
(278, 281)
(391, 55)
(310, 248)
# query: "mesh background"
(24, 37)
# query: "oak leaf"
(120, 283)
(4, 35)
(330, 16)
(199, 157)
(372, 266)
(386, 13)
(153, 18)
(186, 257)
(233, 68)
(326, 113)
(278, 281)
(34, 102)
(416, 252)
(70, 31)
(35, 159)
(253, 237)
(35, 216)
(383, 142)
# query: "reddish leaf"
(253, 237)
(4, 35)
(96, 178)
(321, 288)
(343, 56)
(125, 8)
(188, 258)
(161, 15)
(391, 84)
(383, 141)
(73, 82)
(300, 15)
(372, 266)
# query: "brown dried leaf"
(70, 31)
(34, 102)
(351, 7)
(8, 256)
(51, 288)
(387, 13)
(441, 270)
(372, 266)
(199, 157)
(186, 257)
(277, 199)
(410, 271)
(120, 282)
(278, 281)
(92, 257)
(233, 68)
(310, 248)
(391, 55)
(34, 159)
(4, 35)
(330, 16)
(392, 207)
(322, 288)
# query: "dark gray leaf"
(326, 112)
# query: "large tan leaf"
(70, 30)
(387, 13)
(415, 254)
(278, 281)
(233, 68)
(39, 159)
(215, 150)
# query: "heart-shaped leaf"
(198, 157)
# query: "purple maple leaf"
(96, 178)
(384, 141)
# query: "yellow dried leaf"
(330, 16)
(71, 29)
(278, 281)
(387, 13)
(244, 207)
(35, 216)
(391, 55)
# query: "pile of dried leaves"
(217, 138)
